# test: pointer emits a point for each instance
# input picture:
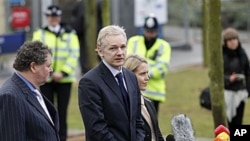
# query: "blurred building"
(2, 16)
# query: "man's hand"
(57, 76)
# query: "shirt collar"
(55, 28)
(31, 86)
(142, 100)
(112, 69)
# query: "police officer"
(65, 48)
(157, 52)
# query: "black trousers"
(59, 95)
(238, 119)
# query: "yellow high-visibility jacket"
(65, 49)
(158, 57)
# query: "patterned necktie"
(123, 90)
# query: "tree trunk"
(106, 12)
(205, 50)
(91, 28)
(216, 63)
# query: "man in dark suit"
(111, 112)
(25, 113)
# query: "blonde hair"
(133, 61)
(109, 31)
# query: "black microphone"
(182, 128)
(170, 137)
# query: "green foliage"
(234, 13)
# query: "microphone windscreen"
(221, 128)
(182, 128)
(170, 137)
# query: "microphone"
(219, 129)
(170, 137)
(222, 137)
(182, 128)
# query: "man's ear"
(99, 50)
(33, 67)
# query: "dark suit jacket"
(22, 118)
(103, 110)
(152, 112)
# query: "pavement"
(186, 51)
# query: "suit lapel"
(129, 87)
(52, 112)
(33, 101)
(30, 96)
(109, 79)
(150, 109)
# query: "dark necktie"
(123, 90)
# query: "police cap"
(53, 10)
(150, 23)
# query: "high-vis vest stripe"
(65, 48)
(158, 57)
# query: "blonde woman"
(139, 66)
